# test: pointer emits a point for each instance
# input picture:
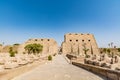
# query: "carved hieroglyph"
(75, 43)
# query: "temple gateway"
(77, 43)
(49, 45)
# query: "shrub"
(49, 57)
(12, 54)
(10, 49)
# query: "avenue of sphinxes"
(49, 45)
(75, 43)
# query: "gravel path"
(58, 69)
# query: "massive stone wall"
(49, 45)
(75, 43)
(5, 49)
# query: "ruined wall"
(108, 73)
(5, 49)
(49, 45)
(74, 43)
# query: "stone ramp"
(58, 69)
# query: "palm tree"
(111, 44)
(85, 50)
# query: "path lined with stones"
(58, 69)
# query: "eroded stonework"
(75, 43)
(49, 45)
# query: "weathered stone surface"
(49, 45)
(109, 74)
(73, 43)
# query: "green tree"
(108, 51)
(104, 50)
(10, 49)
(16, 44)
(37, 48)
(118, 51)
(34, 48)
(85, 50)
(28, 48)
(49, 57)
(11, 52)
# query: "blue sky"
(24, 19)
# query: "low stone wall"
(109, 74)
(69, 56)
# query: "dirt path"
(58, 69)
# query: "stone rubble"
(7, 62)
